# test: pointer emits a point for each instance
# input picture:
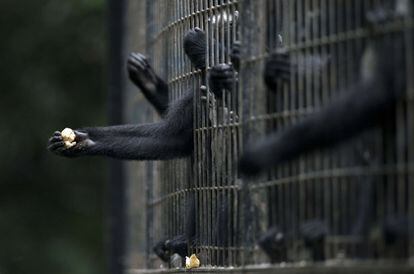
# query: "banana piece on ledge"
(68, 136)
(192, 262)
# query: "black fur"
(165, 248)
(180, 244)
(195, 47)
(393, 235)
(314, 234)
(273, 243)
(160, 249)
(235, 55)
(170, 138)
(277, 68)
(221, 79)
(151, 85)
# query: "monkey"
(179, 245)
(160, 249)
(183, 243)
(278, 64)
(281, 65)
(314, 234)
(365, 105)
(393, 234)
(194, 44)
(165, 248)
(274, 243)
(221, 79)
(170, 138)
(235, 55)
(144, 77)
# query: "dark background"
(53, 60)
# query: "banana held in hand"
(68, 136)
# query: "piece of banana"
(68, 136)
(192, 262)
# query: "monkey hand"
(221, 78)
(141, 73)
(57, 145)
(277, 68)
(235, 55)
(194, 44)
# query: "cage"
(355, 198)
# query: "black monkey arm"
(132, 130)
(143, 148)
(152, 86)
(362, 106)
(359, 109)
(128, 148)
(167, 139)
(177, 119)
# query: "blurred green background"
(53, 59)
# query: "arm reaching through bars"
(167, 139)
(144, 77)
(170, 138)
(362, 106)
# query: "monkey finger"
(132, 55)
(55, 139)
(132, 61)
(137, 63)
(142, 61)
(132, 68)
(56, 146)
(132, 58)
(140, 57)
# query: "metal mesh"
(208, 175)
(352, 188)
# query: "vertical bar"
(117, 221)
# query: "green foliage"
(51, 75)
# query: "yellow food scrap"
(68, 136)
(69, 144)
(192, 262)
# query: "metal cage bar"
(352, 189)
